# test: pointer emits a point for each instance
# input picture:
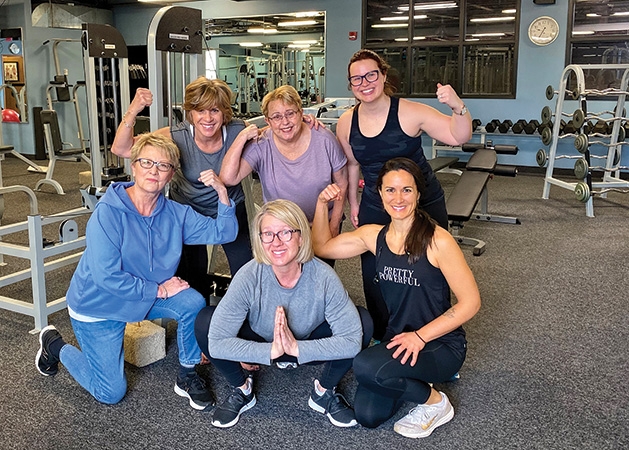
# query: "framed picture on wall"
(10, 72)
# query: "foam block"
(144, 343)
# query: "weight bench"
(56, 150)
(442, 162)
(472, 188)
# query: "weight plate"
(547, 114)
(581, 168)
(541, 157)
(547, 136)
(582, 192)
(581, 143)
(622, 134)
(575, 94)
(578, 118)
(550, 92)
(616, 159)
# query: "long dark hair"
(383, 66)
(422, 231)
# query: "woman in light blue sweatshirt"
(126, 274)
(285, 306)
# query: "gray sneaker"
(334, 406)
(229, 412)
(422, 420)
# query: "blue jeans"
(99, 365)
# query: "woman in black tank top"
(418, 264)
(382, 127)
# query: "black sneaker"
(47, 364)
(334, 406)
(193, 388)
(229, 412)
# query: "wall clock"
(543, 30)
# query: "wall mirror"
(12, 77)
(254, 55)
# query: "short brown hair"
(292, 215)
(165, 144)
(203, 94)
(383, 66)
(287, 94)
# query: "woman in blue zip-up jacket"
(134, 240)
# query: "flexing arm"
(345, 245)
(210, 179)
(455, 129)
(124, 139)
(234, 167)
(353, 168)
(340, 179)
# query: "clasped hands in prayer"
(283, 340)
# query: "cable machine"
(107, 84)
(174, 44)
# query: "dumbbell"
(505, 125)
(518, 127)
(601, 127)
(550, 93)
(531, 126)
(476, 123)
(588, 127)
(570, 127)
(492, 126)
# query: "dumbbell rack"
(585, 188)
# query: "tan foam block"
(144, 343)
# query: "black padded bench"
(472, 187)
(442, 162)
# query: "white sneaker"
(423, 419)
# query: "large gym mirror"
(12, 77)
(254, 55)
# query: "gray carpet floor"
(546, 367)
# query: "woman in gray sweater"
(285, 306)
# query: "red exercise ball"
(9, 115)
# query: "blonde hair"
(202, 94)
(292, 215)
(165, 144)
(287, 94)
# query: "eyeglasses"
(278, 118)
(148, 163)
(284, 236)
(371, 76)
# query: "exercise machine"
(66, 93)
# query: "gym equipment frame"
(586, 188)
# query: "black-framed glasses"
(370, 76)
(148, 163)
(284, 236)
(277, 118)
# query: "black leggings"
(333, 370)
(384, 384)
(373, 298)
(193, 263)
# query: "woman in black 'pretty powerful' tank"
(382, 127)
(418, 264)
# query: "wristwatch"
(463, 111)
